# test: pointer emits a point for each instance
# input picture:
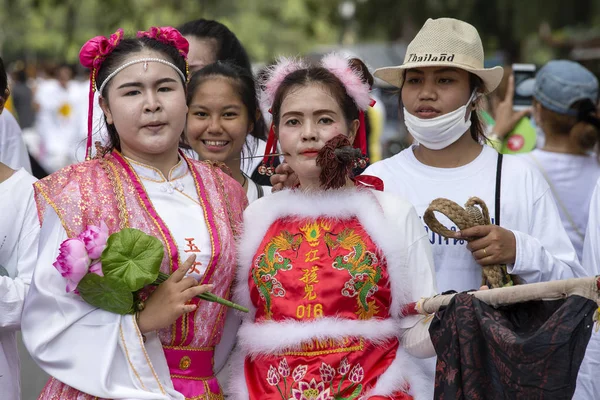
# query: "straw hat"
(444, 42)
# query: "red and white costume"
(326, 276)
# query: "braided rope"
(475, 213)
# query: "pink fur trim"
(350, 78)
(275, 76)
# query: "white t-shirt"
(543, 249)
(572, 179)
(19, 235)
(588, 386)
(12, 147)
(253, 188)
(252, 148)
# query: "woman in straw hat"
(441, 81)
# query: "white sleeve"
(92, 350)
(421, 273)
(591, 248)
(415, 335)
(545, 253)
(14, 290)
(14, 152)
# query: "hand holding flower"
(108, 271)
(171, 299)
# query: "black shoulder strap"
(260, 190)
(498, 185)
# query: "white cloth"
(252, 148)
(99, 352)
(588, 385)
(56, 123)
(19, 234)
(572, 179)
(544, 251)
(13, 151)
(252, 192)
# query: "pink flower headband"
(274, 77)
(350, 78)
(94, 52)
(334, 63)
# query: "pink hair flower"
(95, 50)
(167, 35)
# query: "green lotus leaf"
(132, 256)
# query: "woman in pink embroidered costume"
(141, 181)
(327, 268)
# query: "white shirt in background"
(13, 151)
(253, 188)
(252, 148)
(572, 179)
(588, 385)
(19, 235)
(56, 123)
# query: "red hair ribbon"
(266, 167)
(92, 55)
(360, 142)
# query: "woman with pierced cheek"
(327, 268)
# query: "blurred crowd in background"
(49, 89)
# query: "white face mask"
(440, 132)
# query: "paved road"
(33, 378)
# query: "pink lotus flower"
(357, 374)
(273, 376)
(284, 368)
(95, 239)
(344, 367)
(327, 372)
(299, 372)
(311, 391)
(72, 262)
(96, 268)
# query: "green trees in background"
(56, 29)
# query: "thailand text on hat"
(444, 42)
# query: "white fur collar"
(290, 334)
(374, 213)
